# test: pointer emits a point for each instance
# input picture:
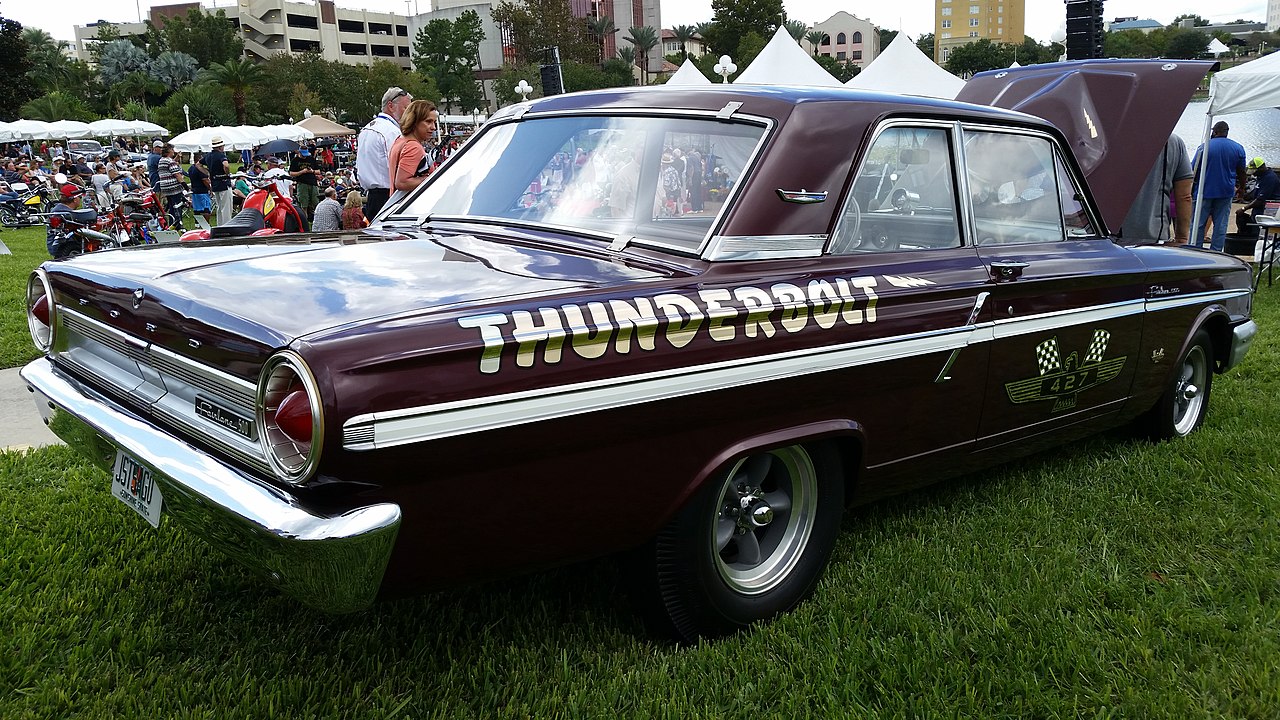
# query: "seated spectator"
(1267, 190)
(328, 215)
(353, 212)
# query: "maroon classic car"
(688, 326)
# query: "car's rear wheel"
(1185, 402)
(749, 545)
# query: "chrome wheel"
(1188, 390)
(765, 515)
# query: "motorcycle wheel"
(8, 217)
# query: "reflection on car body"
(685, 326)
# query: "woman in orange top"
(407, 160)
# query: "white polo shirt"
(373, 150)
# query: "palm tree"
(644, 38)
(138, 84)
(174, 69)
(815, 38)
(49, 65)
(237, 76)
(55, 106)
(796, 29)
(601, 28)
(627, 54)
(684, 35)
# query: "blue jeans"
(1219, 209)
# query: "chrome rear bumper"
(334, 563)
(1241, 339)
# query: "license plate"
(133, 485)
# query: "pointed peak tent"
(902, 68)
(688, 74)
(784, 62)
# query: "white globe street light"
(524, 89)
(725, 68)
(186, 112)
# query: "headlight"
(290, 416)
(41, 312)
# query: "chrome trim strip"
(765, 247)
(1195, 298)
(399, 427)
(333, 563)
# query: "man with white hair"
(374, 145)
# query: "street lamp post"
(725, 68)
(524, 89)
(186, 113)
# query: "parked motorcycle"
(28, 208)
(73, 234)
(266, 212)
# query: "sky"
(1045, 18)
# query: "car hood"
(295, 287)
(1116, 115)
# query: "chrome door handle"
(1008, 269)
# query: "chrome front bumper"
(334, 564)
(1241, 339)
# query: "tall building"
(960, 22)
(846, 37)
(1273, 15)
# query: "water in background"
(1257, 130)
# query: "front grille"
(162, 383)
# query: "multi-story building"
(846, 37)
(1273, 15)
(271, 26)
(671, 44)
(960, 22)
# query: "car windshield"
(660, 180)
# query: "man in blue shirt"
(1223, 168)
(153, 162)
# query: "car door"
(900, 227)
(1067, 302)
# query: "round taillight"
(293, 417)
(55, 221)
(40, 311)
(290, 420)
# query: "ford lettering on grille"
(233, 421)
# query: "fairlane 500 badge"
(593, 329)
(1061, 381)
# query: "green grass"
(1113, 578)
(28, 251)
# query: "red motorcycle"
(266, 212)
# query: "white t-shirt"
(283, 183)
(372, 150)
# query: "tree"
(815, 38)
(975, 57)
(14, 64)
(237, 76)
(447, 51)
(748, 48)
(209, 105)
(734, 19)
(1187, 44)
(534, 25)
(627, 54)
(842, 70)
(926, 44)
(600, 28)
(208, 37)
(104, 36)
(137, 84)
(684, 35)
(56, 106)
(796, 29)
(644, 39)
(887, 36)
(50, 67)
(120, 58)
(174, 69)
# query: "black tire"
(8, 217)
(1185, 401)
(713, 571)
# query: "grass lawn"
(1113, 578)
(28, 251)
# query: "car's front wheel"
(1185, 402)
(749, 545)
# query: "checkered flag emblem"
(1048, 357)
(1098, 347)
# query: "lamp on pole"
(306, 113)
(725, 68)
(524, 89)
(186, 113)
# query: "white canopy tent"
(1252, 86)
(70, 129)
(1216, 47)
(296, 133)
(241, 137)
(31, 129)
(783, 62)
(110, 127)
(7, 134)
(902, 68)
(142, 127)
(688, 75)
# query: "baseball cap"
(1256, 164)
(158, 143)
(70, 191)
(113, 153)
(304, 152)
(392, 93)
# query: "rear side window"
(1015, 188)
(904, 196)
(1074, 214)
